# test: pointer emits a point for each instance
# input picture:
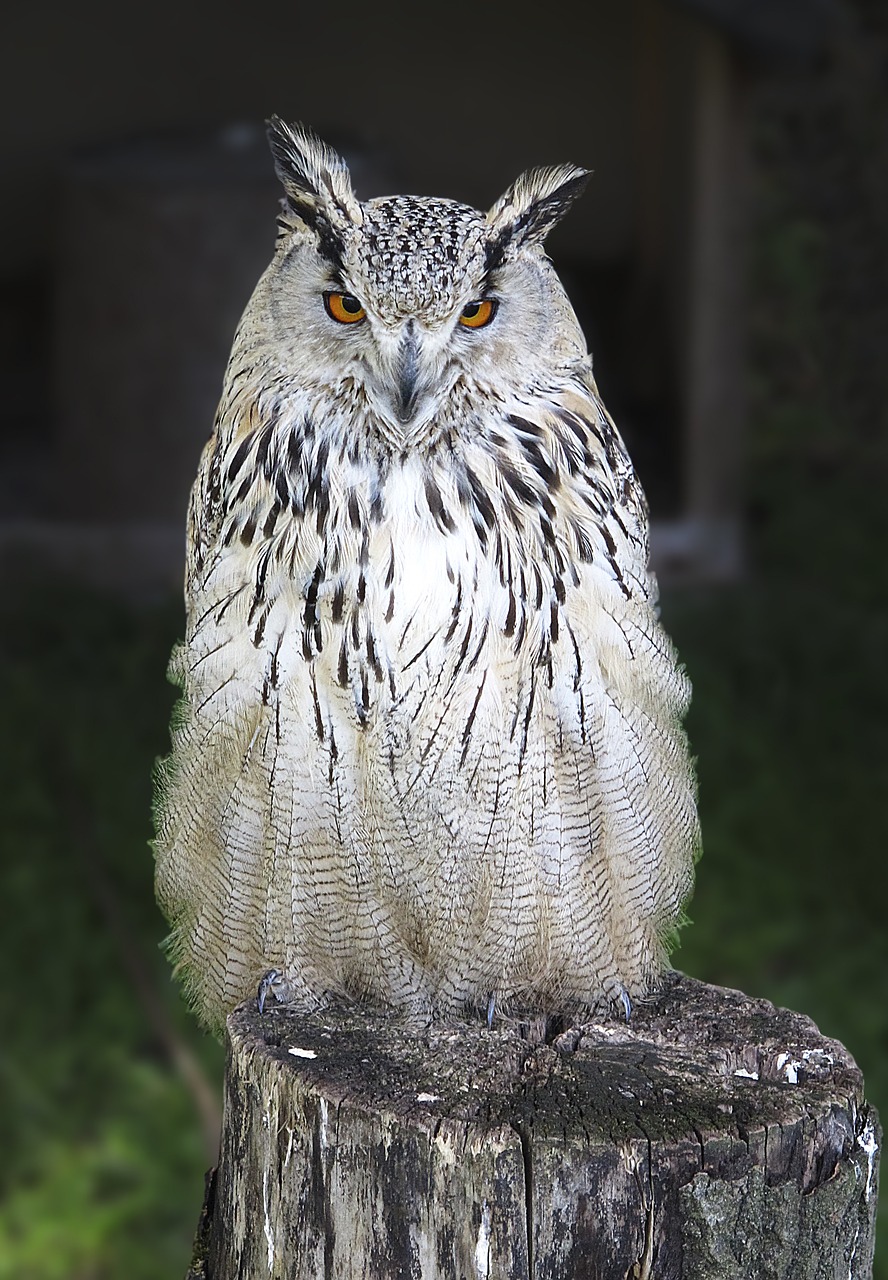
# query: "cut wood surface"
(715, 1136)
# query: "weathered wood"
(716, 1137)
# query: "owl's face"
(406, 299)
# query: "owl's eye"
(344, 307)
(477, 314)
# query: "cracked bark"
(716, 1137)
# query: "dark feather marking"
(560, 593)
(263, 446)
(270, 521)
(362, 587)
(584, 544)
(522, 627)
(230, 531)
(526, 728)
(222, 608)
(294, 452)
(553, 623)
(517, 711)
(528, 438)
(239, 458)
(323, 509)
(377, 506)
(355, 628)
(390, 571)
(338, 602)
(498, 553)
(481, 499)
(363, 707)
(245, 487)
(478, 648)
(342, 669)
(390, 611)
(334, 756)
(612, 559)
(467, 731)
(317, 497)
(273, 670)
(455, 614)
(416, 657)
(520, 488)
(464, 647)
(260, 628)
(310, 619)
(441, 515)
(509, 626)
(247, 532)
(372, 657)
(538, 587)
(259, 589)
(407, 625)
(319, 719)
(354, 510)
(578, 671)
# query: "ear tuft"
(316, 181)
(535, 202)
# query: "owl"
(429, 749)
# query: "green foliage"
(103, 1157)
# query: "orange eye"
(344, 307)
(477, 314)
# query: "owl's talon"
(627, 1004)
(491, 1009)
(268, 982)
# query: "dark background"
(109, 1093)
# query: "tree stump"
(714, 1137)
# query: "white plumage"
(429, 747)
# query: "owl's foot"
(272, 983)
(285, 990)
(618, 996)
(491, 1009)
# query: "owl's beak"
(407, 373)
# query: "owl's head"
(406, 297)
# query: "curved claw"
(268, 982)
(627, 1004)
(491, 1009)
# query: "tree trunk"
(714, 1137)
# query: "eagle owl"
(429, 748)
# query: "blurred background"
(729, 263)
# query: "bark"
(715, 1137)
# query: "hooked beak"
(407, 372)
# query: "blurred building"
(139, 209)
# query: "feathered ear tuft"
(317, 183)
(531, 207)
